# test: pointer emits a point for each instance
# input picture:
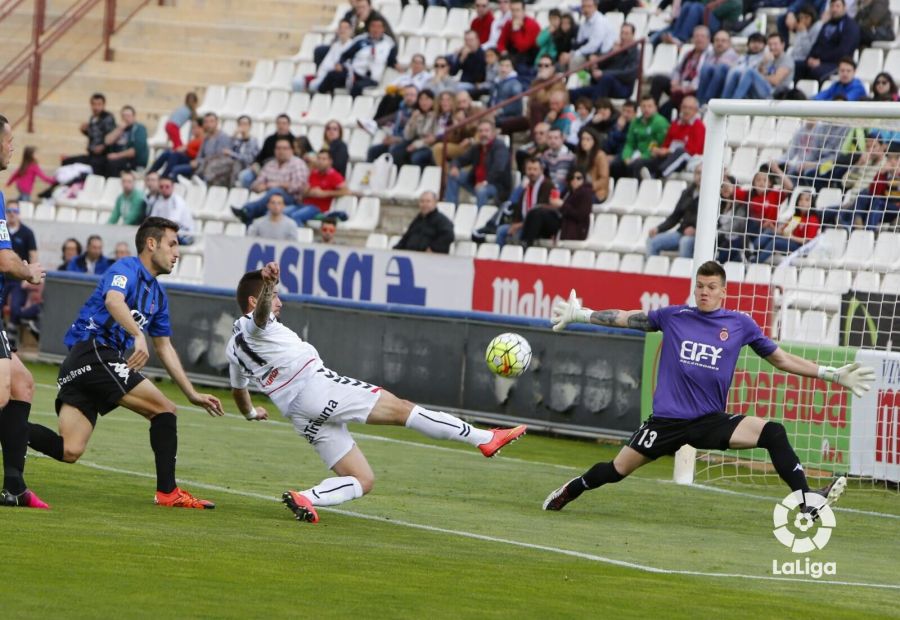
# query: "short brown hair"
(152, 228)
(250, 285)
(712, 268)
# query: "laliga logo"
(803, 522)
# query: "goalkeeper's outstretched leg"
(627, 460)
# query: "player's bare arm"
(244, 404)
(121, 313)
(172, 363)
(270, 274)
(855, 377)
(570, 311)
(14, 267)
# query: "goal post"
(808, 287)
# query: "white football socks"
(334, 491)
(440, 425)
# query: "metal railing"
(475, 118)
(45, 36)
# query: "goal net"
(801, 203)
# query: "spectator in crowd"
(772, 77)
(539, 100)
(610, 126)
(848, 87)
(686, 77)
(644, 132)
(557, 158)
(444, 118)
(570, 217)
(595, 35)
(535, 148)
(92, 260)
(26, 174)
(481, 23)
(334, 141)
(361, 17)
(505, 14)
(276, 225)
(328, 231)
(884, 88)
(793, 234)
(561, 112)
(122, 250)
(546, 40)
(615, 76)
(838, 38)
(441, 80)
(468, 64)
(215, 144)
(805, 24)
(173, 207)
(70, 249)
(151, 190)
(430, 231)
(890, 210)
(723, 16)
(267, 152)
(182, 114)
(732, 223)
(682, 146)
(416, 75)
(244, 146)
(285, 174)
(506, 86)
(665, 236)
(364, 62)
(591, 158)
(716, 67)
(491, 73)
(756, 51)
(875, 22)
(179, 156)
(330, 55)
(458, 140)
(564, 39)
(864, 187)
(518, 39)
(584, 111)
(763, 200)
(130, 204)
(15, 292)
(127, 145)
(404, 112)
(534, 190)
(96, 129)
(421, 125)
(488, 169)
(325, 184)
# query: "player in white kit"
(320, 402)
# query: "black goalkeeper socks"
(44, 440)
(164, 441)
(774, 439)
(596, 476)
(14, 441)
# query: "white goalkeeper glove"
(855, 377)
(570, 311)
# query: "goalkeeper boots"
(301, 507)
(26, 499)
(501, 437)
(832, 493)
(558, 499)
(179, 498)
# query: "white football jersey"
(274, 356)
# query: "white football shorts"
(321, 411)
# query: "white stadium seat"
(664, 60)
(410, 20)
(213, 99)
(734, 272)
(886, 253)
(366, 216)
(465, 249)
(310, 41)
(867, 282)
(433, 21)
(860, 247)
(869, 65)
(631, 263)
(111, 191)
(377, 241)
(488, 251)
(682, 267)
(608, 261)
(657, 266)
(623, 197)
(535, 255)
(407, 182)
(790, 325)
(512, 253)
(627, 234)
(559, 257)
(583, 259)
(262, 73)
(464, 221)
(827, 249)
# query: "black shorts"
(93, 378)
(6, 350)
(662, 436)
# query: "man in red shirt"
(683, 142)
(483, 20)
(518, 38)
(325, 183)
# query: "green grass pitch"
(445, 534)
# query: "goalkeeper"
(700, 348)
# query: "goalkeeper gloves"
(855, 377)
(569, 311)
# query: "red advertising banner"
(519, 289)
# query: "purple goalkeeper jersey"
(699, 353)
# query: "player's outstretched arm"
(172, 363)
(570, 311)
(270, 275)
(855, 377)
(244, 404)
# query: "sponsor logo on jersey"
(269, 378)
(4, 231)
(700, 354)
(119, 282)
(72, 374)
(723, 335)
(139, 318)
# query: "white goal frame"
(711, 181)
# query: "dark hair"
(847, 60)
(505, 56)
(629, 25)
(284, 139)
(99, 96)
(330, 220)
(152, 228)
(554, 13)
(810, 11)
(339, 127)
(533, 160)
(326, 151)
(129, 107)
(775, 35)
(757, 36)
(78, 248)
(892, 87)
(646, 97)
(425, 92)
(94, 238)
(283, 116)
(712, 268)
(250, 285)
(604, 103)
(210, 114)
(3, 122)
(629, 103)
(584, 158)
(27, 156)
(584, 102)
(190, 98)
(374, 19)
(573, 171)
(243, 116)
(303, 145)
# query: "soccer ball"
(508, 355)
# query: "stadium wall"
(585, 382)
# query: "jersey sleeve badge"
(119, 282)
(4, 231)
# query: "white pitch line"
(505, 541)
(416, 444)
